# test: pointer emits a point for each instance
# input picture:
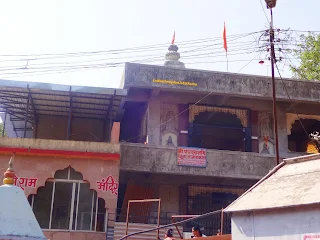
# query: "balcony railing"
(209, 224)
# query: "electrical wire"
(94, 67)
(114, 51)
(97, 62)
(264, 11)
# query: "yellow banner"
(173, 82)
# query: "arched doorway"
(298, 140)
(219, 130)
(67, 202)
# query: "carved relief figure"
(266, 145)
(169, 128)
(170, 121)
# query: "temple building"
(66, 145)
(195, 139)
(209, 136)
(17, 221)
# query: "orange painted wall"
(55, 235)
(43, 168)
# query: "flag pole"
(227, 61)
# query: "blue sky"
(42, 27)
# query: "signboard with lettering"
(193, 157)
(311, 237)
(24, 182)
(108, 184)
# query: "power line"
(307, 31)
(264, 11)
(59, 65)
(92, 67)
(239, 47)
(231, 38)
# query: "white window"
(67, 202)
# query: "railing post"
(127, 218)
(159, 209)
(26, 117)
(221, 224)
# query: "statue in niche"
(266, 133)
(170, 122)
(170, 142)
(265, 125)
(169, 139)
(265, 148)
(169, 132)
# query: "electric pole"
(271, 4)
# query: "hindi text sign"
(311, 237)
(193, 157)
(108, 184)
(24, 182)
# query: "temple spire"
(9, 174)
(172, 56)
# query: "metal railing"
(151, 218)
(194, 220)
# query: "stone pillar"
(154, 121)
(282, 133)
(255, 131)
(183, 125)
(115, 133)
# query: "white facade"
(299, 223)
(17, 220)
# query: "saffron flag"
(225, 38)
(173, 37)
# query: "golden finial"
(9, 174)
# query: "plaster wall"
(156, 159)
(43, 168)
(289, 223)
(60, 235)
(257, 105)
(168, 187)
(45, 144)
(55, 127)
(250, 86)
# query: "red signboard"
(310, 237)
(193, 157)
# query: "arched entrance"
(67, 202)
(298, 140)
(219, 130)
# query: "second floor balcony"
(230, 164)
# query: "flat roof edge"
(268, 208)
(129, 64)
(302, 158)
(63, 88)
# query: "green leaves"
(309, 54)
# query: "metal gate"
(206, 198)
